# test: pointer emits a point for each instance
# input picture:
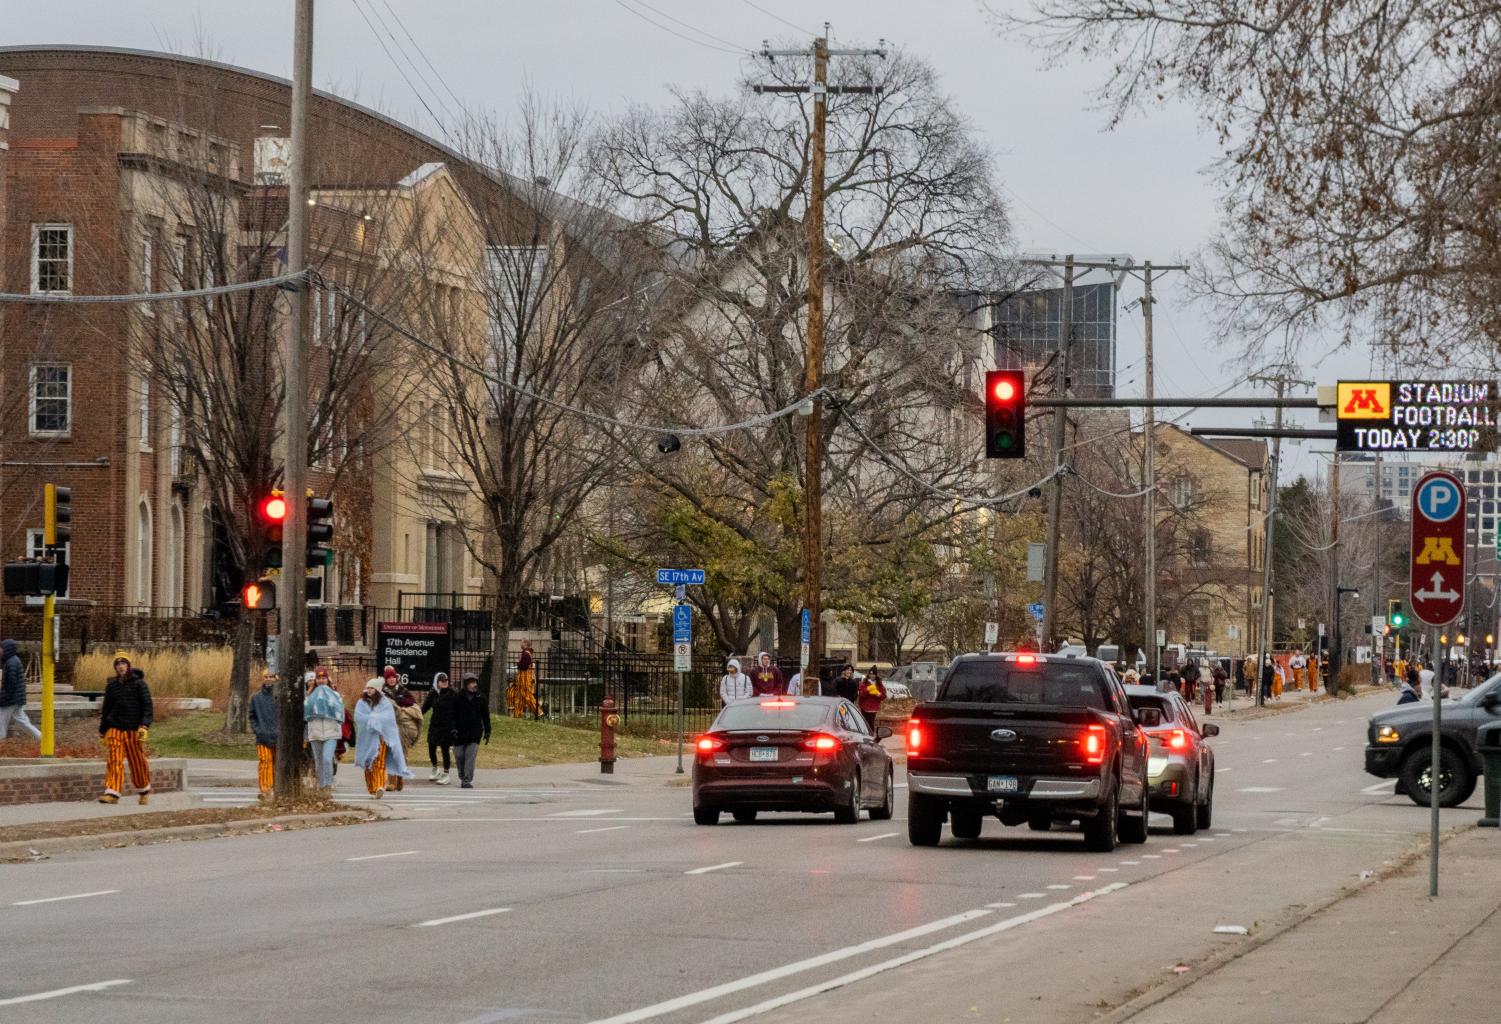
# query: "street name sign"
(677, 577)
(1437, 569)
(1036, 608)
(1416, 415)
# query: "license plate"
(763, 753)
(1001, 784)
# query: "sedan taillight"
(822, 743)
(710, 744)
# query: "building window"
(145, 425)
(172, 591)
(51, 400)
(1198, 624)
(148, 271)
(143, 555)
(36, 549)
(1181, 491)
(1202, 549)
(174, 441)
(51, 259)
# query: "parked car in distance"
(791, 754)
(920, 678)
(1399, 744)
(1180, 764)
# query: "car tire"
(887, 807)
(1102, 832)
(1133, 828)
(850, 812)
(966, 823)
(1184, 820)
(706, 815)
(744, 815)
(1461, 780)
(924, 820)
(1040, 824)
(1204, 813)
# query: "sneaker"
(466, 785)
(443, 779)
(146, 797)
(110, 798)
(436, 775)
(379, 793)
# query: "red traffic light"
(1004, 390)
(274, 508)
(1005, 414)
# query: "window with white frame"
(51, 399)
(145, 426)
(51, 259)
(181, 258)
(36, 549)
(148, 271)
(174, 441)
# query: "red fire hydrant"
(608, 720)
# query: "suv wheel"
(1133, 828)
(924, 820)
(1101, 832)
(744, 815)
(1204, 815)
(1456, 781)
(706, 815)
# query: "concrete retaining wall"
(37, 781)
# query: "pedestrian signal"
(1005, 414)
(259, 596)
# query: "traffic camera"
(1005, 414)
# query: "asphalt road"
(592, 902)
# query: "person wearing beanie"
(323, 711)
(13, 692)
(471, 723)
(263, 724)
(124, 721)
(377, 747)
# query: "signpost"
(682, 657)
(1036, 609)
(418, 651)
(1415, 415)
(1436, 591)
(992, 633)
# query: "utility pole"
(1265, 644)
(813, 345)
(1378, 641)
(1149, 483)
(1055, 490)
(293, 606)
(1337, 655)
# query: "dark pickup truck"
(1029, 738)
(1399, 744)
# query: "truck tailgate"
(976, 738)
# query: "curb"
(1210, 965)
(20, 849)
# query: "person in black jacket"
(471, 722)
(124, 718)
(13, 692)
(263, 723)
(846, 685)
(439, 701)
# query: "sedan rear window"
(992, 681)
(773, 715)
(1160, 703)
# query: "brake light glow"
(1177, 740)
(1093, 743)
(1026, 659)
(914, 737)
(779, 703)
(709, 744)
(821, 742)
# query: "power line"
(691, 28)
(418, 47)
(670, 31)
(778, 17)
(280, 281)
(397, 64)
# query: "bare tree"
(1361, 168)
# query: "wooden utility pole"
(1055, 491)
(1337, 648)
(813, 351)
(292, 606)
(1265, 645)
(1149, 483)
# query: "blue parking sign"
(1036, 608)
(807, 626)
(682, 624)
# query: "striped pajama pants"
(265, 768)
(375, 775)
(121, 745)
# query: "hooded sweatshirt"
(263, 715)
(12, 676)
(734, 685)
(439, 701)
(767, 680)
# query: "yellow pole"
(48, 656)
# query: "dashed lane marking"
(1260, 789)
(59, 899)
(607, 828)
(715, 867)
(383, 856)
(37, 997)
(883, 835)
(1059, 888)
(1085, 878)
(588, 813)
(435, 922)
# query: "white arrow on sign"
(1438, 593)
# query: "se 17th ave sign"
(1416, 415)
(1438, 549)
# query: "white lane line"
(1188, 846)
(1239, 830)
(1270, 760)
(883, 835)
(1111, 870)
(1206, 839)
(1085, 878)
(382, 856)
(776, 1002)
(1338, 749)
(1130, 863)
(614, 871)
(1000, 906)
(1260, 789)
(1222, 835)
(787, 970)
(1321, 729)
(592, 813)
(462, 917)
(1309, 753)
(514, 820)
(715, 867)
(37, 997)
(1031, 895)
(1059, 888)
(59, 899)
(1221, 771)
(1382, 787)
(607, 828)
(1342, 722)
(1150, 856)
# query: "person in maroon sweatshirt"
(766, 679)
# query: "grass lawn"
(513, 743)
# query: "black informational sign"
(417, 650)
(1416, 416)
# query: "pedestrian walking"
(471, 723)
(766, 679)
(378, 747)
(734, 684)
(323, 711)
(1411, 691)
(872, 695)
(847, 686)
(1219, 678)
(795, 684)
(439, 701)
(263, 723)
(13, 692)
(1299, 666)
(1268, 677)
(522, 693)
(1248, 674)
(1188, 679)
(125, 717)
(408, 718)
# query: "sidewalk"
(1386, 954)
(629, 771)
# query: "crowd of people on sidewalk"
(765, 679)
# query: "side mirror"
(1149, 717)
(883, 732)
(1210, 729)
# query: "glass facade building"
(1025, 332)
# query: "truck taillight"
(1093, 744)
(914, 737)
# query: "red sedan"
(791, 754)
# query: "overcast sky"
(1074, 187)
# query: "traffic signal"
(1394, 614)
(271, 516)
(1005, 414)
(1386, 630)
(259, 596)
(57, 513)
(320, 532)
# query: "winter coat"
(734, 685)
(127, 703)
(1409, 695)
(440, 702)
(263, 716)
(871, 702)
(767, 680)
(847, 687)
(471, 718)
(376, 725)
(12, 676)
(409, 718)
